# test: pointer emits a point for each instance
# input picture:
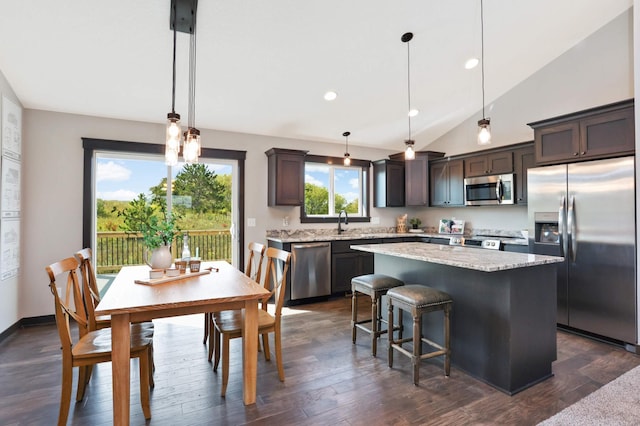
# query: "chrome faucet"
(346, 221)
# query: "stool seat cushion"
(419, 295)
(377, 281)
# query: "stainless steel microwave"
(489, 190)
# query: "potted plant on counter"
(415, 222)
(157, 227)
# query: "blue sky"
(346, 179)
(123, 179)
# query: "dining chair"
(254, 271)
(91, 298)
(90, 347)
(229, 325)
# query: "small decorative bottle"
(186, 254)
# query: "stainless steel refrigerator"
(585, 212)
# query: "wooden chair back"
(275, 279)
(90, 292)
(254, 263)
(64, 310)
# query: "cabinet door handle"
(583, 152)
(575, 153)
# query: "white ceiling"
(263, 66)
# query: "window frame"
(365, 166)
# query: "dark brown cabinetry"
(602, 132)
(447, 183)
(489, 164)
(416, 177)
(347, 263)
(285, 181)
(388, 183)
(523, 159)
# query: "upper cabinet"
(489, 164)
(285, 180)
(447, 183)
(388, 183)
(416, 177)
(523, 159)
(602, 132)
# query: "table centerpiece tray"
(166, 279)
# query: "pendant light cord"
(409, 86)
(192, 76)
(482, 53)
(173, 88)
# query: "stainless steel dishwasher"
(310, 270)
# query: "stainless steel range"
(485, 243)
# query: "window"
(330, 187)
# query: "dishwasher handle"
(310, 245)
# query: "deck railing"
(117, 249)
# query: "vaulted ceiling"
(264, 66)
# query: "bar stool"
(418, 300)
(374, 286)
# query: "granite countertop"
(311, 235)
(461, 257)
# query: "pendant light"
(409, 153)
(173, 132)
(191, 150)
(347, 156)
(484, 125)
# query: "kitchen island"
(503, 323)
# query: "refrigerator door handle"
(571, 224)
(562, 228)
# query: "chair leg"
(207, 321)
(216, 347)
(65, 394)
(82, 382)
(143, 361)
(278, 341)
(151, 366)
(212, 333)
(354, 315)
(417, 348)
(447, 356)
(374, 325)
(225, 364)
(390, 334)
(265, 343)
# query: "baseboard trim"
(27, 322)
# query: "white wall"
(9, 289)
(53, 182)
(597, 71)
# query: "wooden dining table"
(223, 288)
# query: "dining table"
(133, 297)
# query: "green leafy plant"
(149, 219)
(415, 222)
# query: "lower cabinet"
(347, 263)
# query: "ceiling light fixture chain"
(484, 125)
(409, 153)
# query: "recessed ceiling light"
(330, 95)
(471, 63)
(413, 113)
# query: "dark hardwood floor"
(329, 381)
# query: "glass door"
(200, 197)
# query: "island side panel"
(503, 329)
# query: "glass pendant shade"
(409, 153)
(347, 159)
(191, 149)
(484, 131)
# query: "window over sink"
(330, 186)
